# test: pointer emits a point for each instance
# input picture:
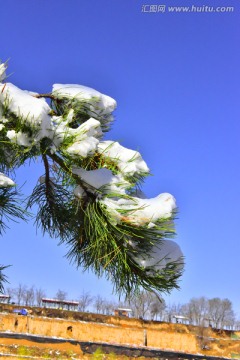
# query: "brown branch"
(46, 165)
(80, 182)
(47, 182)
(49, 96)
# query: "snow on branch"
(85, 196)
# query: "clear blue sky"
(176, 79)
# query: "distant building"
(60, 304)
(5, 299)
(181, 319)
(122, 312)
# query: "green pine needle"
(106, 248)
(3, 278)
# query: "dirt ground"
(109, 329)
(24, 348)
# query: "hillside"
(59, 334)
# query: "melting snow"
(129, 161)
(160, 255)
(141, 211)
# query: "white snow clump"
(128, 161)
(142, 211)
(103, 103)
(32, 111)
(92, 102)
(102, 179)
(24, 105)
(6, 181)
(85, 138)
(19, 138)
(160, 255)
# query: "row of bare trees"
(99, 304)
(215, 312)
(32, 296)
(147, 305)
(144, 305)
(24, 295)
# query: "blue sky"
(176, 78)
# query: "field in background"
(88, 327)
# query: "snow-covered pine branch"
(85, 195)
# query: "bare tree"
(146, 304)
(220, 312)
(141, 304)
(29, 296)
(98, 304)
(228, 315)
(237, 324)
(61, 295)
(171, 310)
(85, 299)
(157, 308)
(39, 294)
(11, 293)
(196, 310)
(108, 307)
(20, 293)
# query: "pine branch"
(106, 228)
(105, 248)
(68, 170)
(53, 208)
(3, 278)
(9, 208)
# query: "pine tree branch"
(63, 166)
(3, 278)
(112, 238)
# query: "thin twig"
(49, 96)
